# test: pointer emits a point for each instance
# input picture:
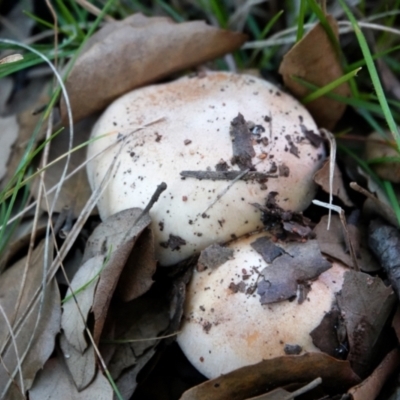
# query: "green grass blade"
(330, 86)
(300, 20)
(270, 24)
(170, 11)
(373, 74)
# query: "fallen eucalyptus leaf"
(44, 333)
(315, 60)
(365, 304)
(370, 388)
(54, 383)
(332, 242)
(249, 381)
(136, 51)
(117, 234)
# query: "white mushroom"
(273, 146)
(226, 327)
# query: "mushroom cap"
(225, 329)
(194, 135)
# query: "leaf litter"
(316, 60)
(32, 358)
(144, 55)
(297, 264)
(114, 286)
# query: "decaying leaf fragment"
(213, 256)
(333, 243)
(249, 381)
(370, 388)
(136, 51)
(118, 234)
(32, 358)
(365, 304)
(298, 264)
(315, 60)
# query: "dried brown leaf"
(315, 60)
(9, 132)
(325, 335)
(81, 366)
(376, 206)
(321, 178)
(21, 236)
(49, 323)
(136, 278)
(27, 122)
(84, 286)
(365, 304)
(137, 51)
(371, 387)
(54, 383)
(75, 191)
(332, 242)
(249, 381)
(118, 233)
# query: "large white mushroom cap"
(196, 134)
(226, 327)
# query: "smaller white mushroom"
(225, 324)
(239, 138)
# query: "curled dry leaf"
(371, 387)
(321, 178)
(54, 383)
(139, 50)
(365, 304)
(249, 381)
(44, 335)
(332, 242)
(119, 234)
(315, 60)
